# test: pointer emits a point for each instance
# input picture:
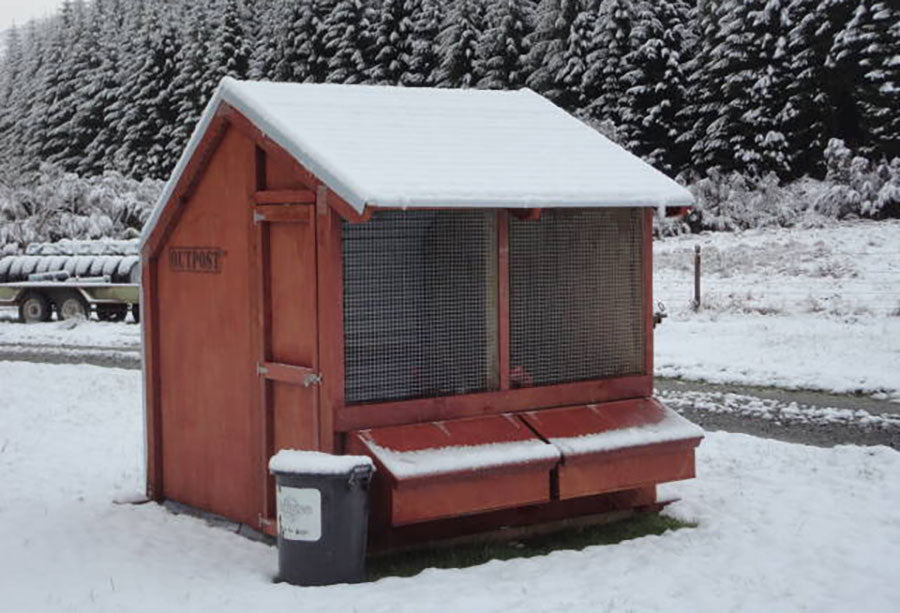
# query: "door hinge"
(312, 379)
(258, 217)
(261, 370)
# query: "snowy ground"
(68, 333)
(781, 527)
(795, 308)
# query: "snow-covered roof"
(418, 147)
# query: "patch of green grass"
(407, 564)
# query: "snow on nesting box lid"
(421, 147)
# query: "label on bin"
(299, 513)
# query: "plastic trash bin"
(323, 511)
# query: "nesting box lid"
(403, 147)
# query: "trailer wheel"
(136, 313)
(73, 306)
(34, 308)
(112, 312)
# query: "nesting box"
(456, 283)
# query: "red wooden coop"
(455, 283)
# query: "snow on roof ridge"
(401, 147)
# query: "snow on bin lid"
(316, 462)
(403, 147)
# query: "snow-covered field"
(795, 308)
(69, 333)
(781, 528)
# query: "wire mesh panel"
(576, 296)
(420, 316)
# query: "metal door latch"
(261, 370)
(312, 379)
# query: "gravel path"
(811, 418)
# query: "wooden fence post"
(696, 302)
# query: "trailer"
(456, 283)
(73, 279)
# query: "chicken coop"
(455, 283)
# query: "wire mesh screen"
(576, 296)
(420, 316)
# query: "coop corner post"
(330, 317)
(648, 297)
(150, 343)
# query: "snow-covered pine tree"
(347, 41)
(269, 46)
(766, 90)
(705, 127)
(390, 39)
(458, 42)
(577, 57)
(612, 46)
(740, 97)
(420, 56)
(865, 57)
(28, 126)
(230, 48)
(656, 84)
(547, 45)
(193, 72)
(87, 71)
(504, 46)
(150, 109)
(305, 58)
(101, 94)
(808, 118)
(57, 86)
(11, 79)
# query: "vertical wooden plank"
(647, 238)
(150, 330)
(330, 317)
(503, 296)
(260, 419)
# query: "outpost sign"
(196, 259)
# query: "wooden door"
(288, 362)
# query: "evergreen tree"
(150, 110)
(53, 110)
(231, 47)
(545, 62)
(604, 82)
(85, 64)
(269, 48)
(577, 57)
(864, 57)
(656, 84)
(305, 58)
(740, 96)
(701, 116)
(346, 41)
(459, 41)
(420, 56)
(504, 46)
(391, 38)
(100, 95)
(11, 79)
